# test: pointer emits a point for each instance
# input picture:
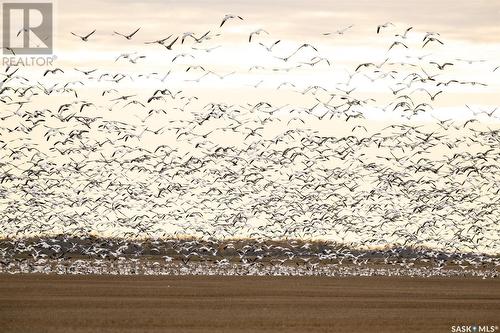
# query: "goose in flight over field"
(432, 39)
(159, 41)
(441, 66)
(52, 71)
(84, 38)
(128, 37)
(10, 50)
(305, 45)
(203, 37)
(125, 56)
(22, 30)
(405, 33)
(270, 48)
(192, 35)
(86, 72)
(385, 25)
(169, 46)
(228, 17)
(430, 34)
(186, 35)
(256, 32)
(397, 43)
(338, 32)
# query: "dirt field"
(35, 303)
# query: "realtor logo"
(27, 28)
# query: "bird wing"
(132, 34)
(204, 35)
(173, 42)
(359, 66)
(90, 34)
(223, 21)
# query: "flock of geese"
(127, 160)
(90, 255)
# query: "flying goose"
(128, 37)
(84, 38)
(228, 17)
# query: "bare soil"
(51, 303)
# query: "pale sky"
(469, 30)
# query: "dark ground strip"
(49, 303)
